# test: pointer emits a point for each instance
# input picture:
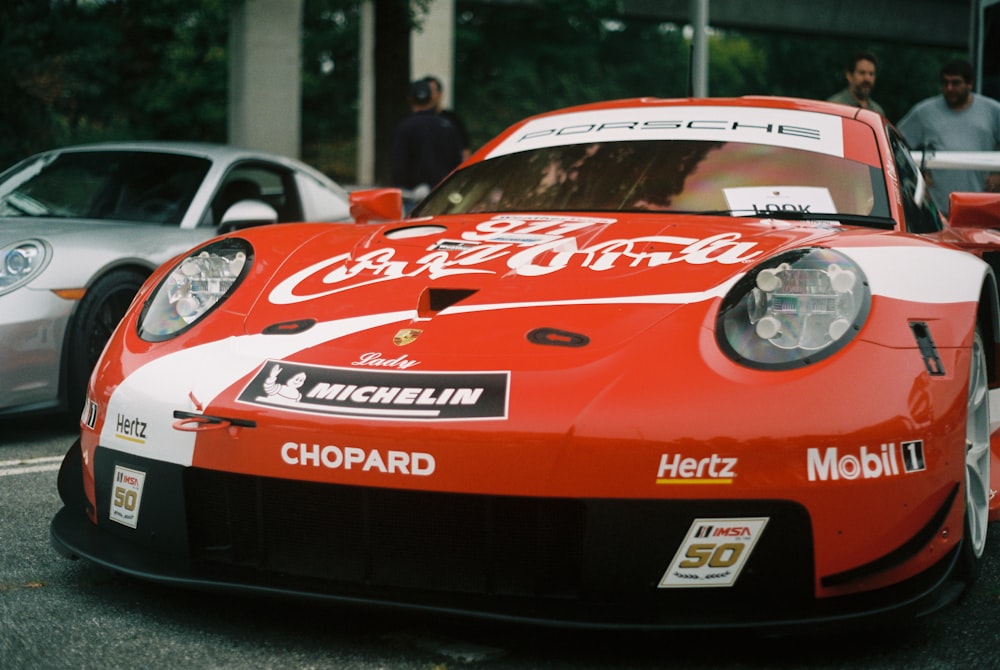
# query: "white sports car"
(81, 228)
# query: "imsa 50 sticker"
(713, 553)
(126, 496)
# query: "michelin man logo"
(287, 391)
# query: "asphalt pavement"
(56, 613)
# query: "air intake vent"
(433, 300)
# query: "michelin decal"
(376, 394)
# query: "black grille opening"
(571, 559)
(392, 538)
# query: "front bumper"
(574, 562)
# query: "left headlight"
(194, 287)
(793, 310)
(21, 262)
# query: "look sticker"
(772, 200)
(713, 553)
(126, 496)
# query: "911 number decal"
(713, 553)
(126, 496)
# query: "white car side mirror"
(246, 214)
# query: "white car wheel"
(977, 452)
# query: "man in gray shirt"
(956, 120)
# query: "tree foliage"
(513, 61)
(330, 63)
(84, 70)
(813, 67)
(111, 69)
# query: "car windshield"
(691, 176)
(147, 187)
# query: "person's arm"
(912, 130)
(992, 183)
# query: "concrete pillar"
(265, 75)
(432, 51)
(432, 47)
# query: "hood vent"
(290, 327)
(433, 300)
(558, 338)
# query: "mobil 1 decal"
(371, 394)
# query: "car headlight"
(793, 310)
(194, 287)
(21, 262)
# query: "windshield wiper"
(880, 222)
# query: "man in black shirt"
(437, 90)
(426, 146)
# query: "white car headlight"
(21, 262)
(195, 286)
(794, 310)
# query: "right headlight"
(195, 286)
(793, 310)
(21, 262)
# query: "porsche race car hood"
(476, 304)
(454, 265)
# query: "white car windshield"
(147, 187)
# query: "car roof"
(647, 104)
(757, 101)
(221, 153)
(207, 149)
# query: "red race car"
(651, 363)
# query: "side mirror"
(974, 210)
(247, 214)
(377, 204)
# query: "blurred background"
(88, 70)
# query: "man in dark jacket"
(426, 146)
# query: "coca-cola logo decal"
(526, 245)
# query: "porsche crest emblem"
(405, 335)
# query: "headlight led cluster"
(20, 262)
(796, 309)
(194, 287)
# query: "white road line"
(28, 465)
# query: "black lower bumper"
(590, 562)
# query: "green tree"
(114, 69)
(513, 61)
(54, 60)
(906, 73)
(737, 66)
(330, 61)
(176, 69)
(87, 70)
